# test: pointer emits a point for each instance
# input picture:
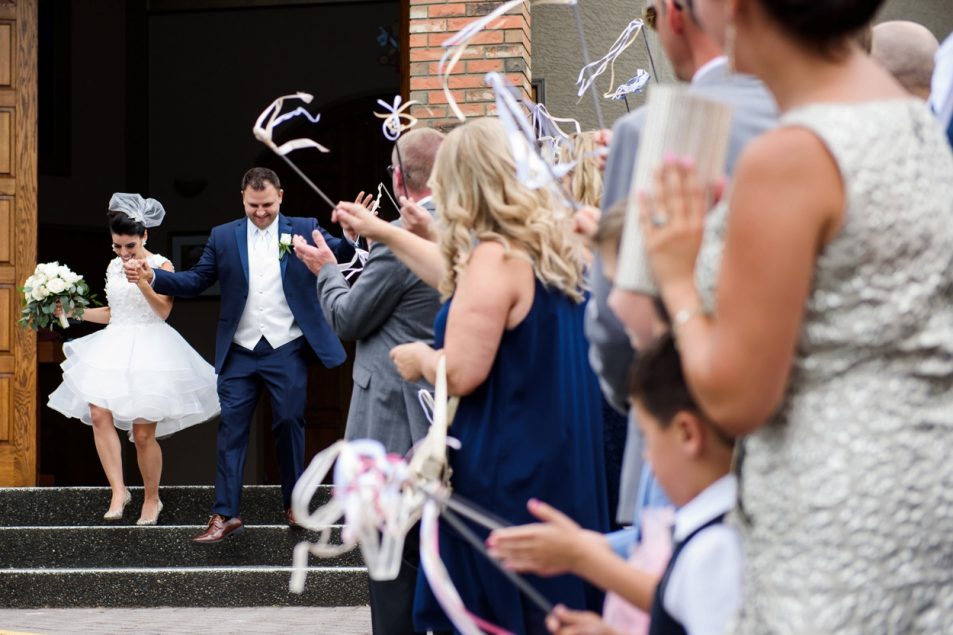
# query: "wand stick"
(528, 590)
(403, 173)
(308, 181)
(648, 49)
(585, 59)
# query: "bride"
(138, 374)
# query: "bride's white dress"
(138, 367)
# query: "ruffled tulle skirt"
(139, 372)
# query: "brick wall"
(504, 46)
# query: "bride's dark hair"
(825, 24)
(121, 225)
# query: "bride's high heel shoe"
(151, 521)
(111, 515)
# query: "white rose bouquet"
(51, 283)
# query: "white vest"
(266, 313)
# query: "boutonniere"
(284, 245)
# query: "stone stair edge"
(134, 488)
(181, 570)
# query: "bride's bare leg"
(149, 455)
(110, 453)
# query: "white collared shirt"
(708, 67)
(704, 588)
(266, 312)
(941, 93)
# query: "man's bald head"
(906, 50)
(418, 149)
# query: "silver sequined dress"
(848, 488)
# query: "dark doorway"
(160, 99)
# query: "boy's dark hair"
(258, 178)
(657, 382)
(122, 225)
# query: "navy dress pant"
(283, 372)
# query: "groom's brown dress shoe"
(219, 529)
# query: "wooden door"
(18, 219)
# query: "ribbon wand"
(585, 60)
(270, 118)
(393, 127)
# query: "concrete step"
(185, 587)
(182, 505)
(160, 546)
(56, 551)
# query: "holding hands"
(138, 272)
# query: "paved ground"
(182, 621)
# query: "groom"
(269, 324)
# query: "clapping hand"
(603, 140)
(313, 256)
(358, 220)
(415, 219)
(586, 221)
(365, 201)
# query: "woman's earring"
(144, 243)
(730, 45)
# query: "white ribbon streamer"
(634, 86)
(531, 169)
(271, 117)
(379, 495)
(590, 72)
(393, 125)
(355, 265)
(456, 45)
(264, 130)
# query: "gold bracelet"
(683, 317)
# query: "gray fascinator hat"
(147, 211)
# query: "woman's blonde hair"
(585, 179)
(479, 198)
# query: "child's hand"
(549, 548)
(563, 621)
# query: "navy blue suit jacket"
(225, 260)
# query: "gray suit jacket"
(611, 355)
(387, 306)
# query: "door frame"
(18, 194)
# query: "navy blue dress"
(532, 429)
